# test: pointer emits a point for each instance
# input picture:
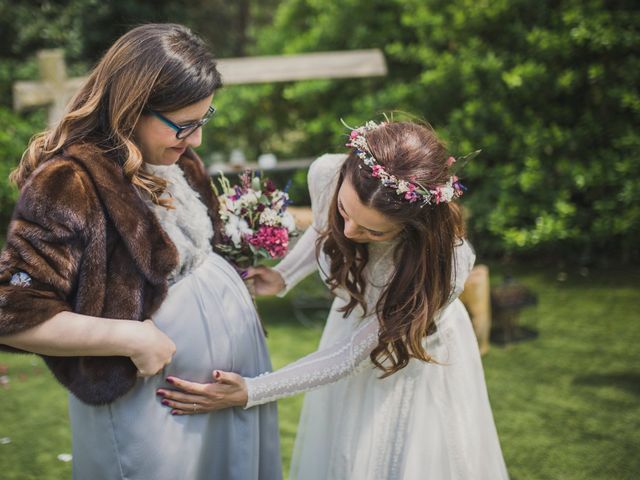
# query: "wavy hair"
(161, 67)
(421, 283)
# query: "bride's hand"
(227, 390)
(266, 281)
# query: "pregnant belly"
(213, 323)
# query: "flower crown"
(410, 190)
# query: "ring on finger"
(195, 407)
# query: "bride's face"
(363, 224)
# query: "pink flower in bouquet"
(274, 240)
(255, 218)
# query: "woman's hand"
(266, 281)
(152, 349)
(227, 390)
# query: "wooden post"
(53, 89)
(477, 298)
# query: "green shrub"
(15, 132)
(548, 91)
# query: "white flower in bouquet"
(235, 228)
(288, 222)
(256, 223)
(250, 199)
(269, 217)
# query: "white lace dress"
(426, 421)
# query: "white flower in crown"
(448, 193)
(412, 192)
(403, 186)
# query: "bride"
(403, 393)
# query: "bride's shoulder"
(322, 180)
(325, 168)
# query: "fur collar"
(151, 249)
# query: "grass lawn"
(567, 405)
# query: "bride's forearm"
(73, 334)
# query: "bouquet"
(256, 222)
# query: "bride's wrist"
(281, 285)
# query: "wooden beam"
(55, 89)
(306, 66)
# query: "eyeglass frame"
(181, 128)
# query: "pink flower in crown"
(377, 170)
(411, 194)
(450, 161)
(354, 134)
(438, 194)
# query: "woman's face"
(157, 140)
(363, 224)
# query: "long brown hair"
(421, 283)
(162, 67)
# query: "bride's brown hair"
(160, 67)
(421, 283)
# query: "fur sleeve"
(39, 264)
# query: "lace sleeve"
(322, 180)
(299, 262)
(316, 369)
(341, 359)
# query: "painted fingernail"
(217, 374)
(165, 402)
(175, 412)
(244, 274)
(171, 380)
(160, 393)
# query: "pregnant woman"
(114, 225)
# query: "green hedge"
(548, 90)
(15, 132)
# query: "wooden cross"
(55, 89)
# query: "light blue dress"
(211, 317)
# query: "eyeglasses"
(183, 131)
